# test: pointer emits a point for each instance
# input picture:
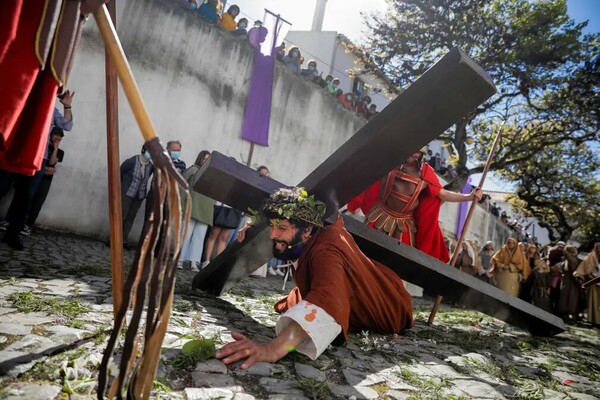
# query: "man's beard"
(291, 251)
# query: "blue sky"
(581, 10)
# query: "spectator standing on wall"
(372, 111)
(361, 106)
(241, 28)
(293, 60)
(310, 71)
(135, 174)
(329, 84)
(208, 11)
(347, 100)
(228, 20)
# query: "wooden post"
(438, 299)
(250, 154)
(114, 175)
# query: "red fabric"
(26, 113)
(366, 200)
(10, 10)
(359, 293)
(429, 238)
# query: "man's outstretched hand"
(244, 348)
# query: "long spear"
(438, 299)
(152, 277)
(114, 177)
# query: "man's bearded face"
(287, 240)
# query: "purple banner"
(255, 127)
(462, 209)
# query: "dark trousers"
(130, 209)
(25, 189)
(38, 200)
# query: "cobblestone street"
(56, 314)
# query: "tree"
(558, 188)
(545, 69)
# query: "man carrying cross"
(338, 289)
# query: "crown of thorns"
(294, 204)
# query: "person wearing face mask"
(242, 26)
(310, 71)
(174, 149)
(347, 100)
(292, 60)
(135, 174)
(329, 84)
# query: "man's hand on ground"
(244, 348)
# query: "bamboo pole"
(438, 299)
(114, 176)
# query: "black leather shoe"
(14, 242)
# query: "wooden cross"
(450, 89)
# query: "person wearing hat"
(55, 155)
(406, 204)
(339, 289)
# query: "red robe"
(37, 42)
(359, 293)
(428, 238)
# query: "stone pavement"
(56, 312)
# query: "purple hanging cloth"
(462, 208)
(255, 127)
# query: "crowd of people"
(211, 11)
(360, 104)
(550, 277)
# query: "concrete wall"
(194, 79)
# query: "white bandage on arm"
(321, 328)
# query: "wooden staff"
(114, 176)
(438, 299)
(150, 284)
